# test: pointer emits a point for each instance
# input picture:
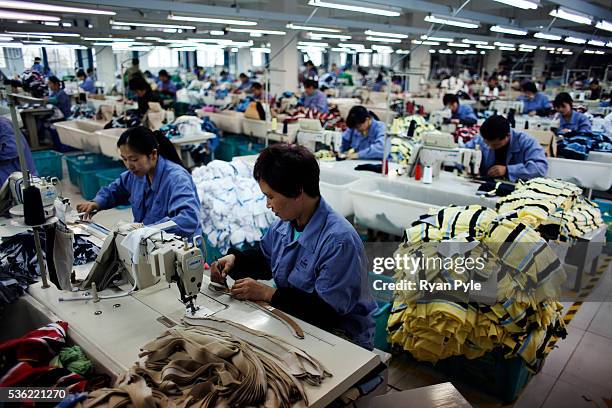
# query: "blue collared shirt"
(465, 113)
(38, 68)
(62, 101)
(171, 196)
(539, 102)
(370, 146)
(328, 258)
(88, 85)
(577, 123)
(9, 158)
(245, 86)
(525, 158)
(167, 87)
(317, 101)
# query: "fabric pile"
(577, 145)
(234, 210)
(414, 126)
(434, 325)
(331, 120)
(216, 364)
(81, 112)
(130, 119)
(464, 134)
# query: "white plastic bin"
(586, 174)
(253, 127)
(335, 190)
(80, 134)
(108, 141)
(229, 121)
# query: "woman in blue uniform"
(157, 186)
(569, 119)
(314, 255)
(534, 102)
(461, 114)
(365, 136)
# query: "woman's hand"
(221, 268)
(87, 208)
(250, 289)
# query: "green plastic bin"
(249, 149)
(384, 300)
(48, 163)
(73, 161)
(228, 147)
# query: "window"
(364, 60)
(257, 58)
(162, 57)
(211, 57)
(2, 59)
(313, 54)
(381, 59)
(61, 60)
(342, 59)
(29, 53)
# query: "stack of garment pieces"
(577, 145)
(131, 118)
(464, 134)
(214, 364)
(413, 126)
(554, 207)
(233, 208)
(81, 112)
(331, 120)
(522, 314)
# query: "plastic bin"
(605, 207)
(228, 147)
(254, 127)
(384, 300)
(105, 177)
(83, 170)
(108, 139)
(586, 174)
(335, 189)
(73, 160)
(48, 163)
(80, 134)
(230, 121)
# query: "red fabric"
(38, 346)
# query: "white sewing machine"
(14, 184)
(311, 132)
(441, 120)
(503, 107)
(525, 122)
(440, 149)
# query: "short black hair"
(90, 70)
(242, 75)
(36, 59)
(256, 85)
(163, 72)
(495, 128)
(135, 61)
(529, 87)
(81, 73)
(562, 98)
(356, 116)
(450, 98)
(288, 170)
(138, 83)
(311, 83)
(594, 82)
(54, 79)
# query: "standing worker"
(164, 85)
(58, 97)
(365, 137)
(144, 93)
(9, 158)
(569, 119)
(37, 66)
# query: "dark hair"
(529, 87)
(143, 140)
(594, 82)
(256, 85)
(81, 73)
(288, 169)
(54, 79)
(36, 59)
(138, 83)
(90, 70)
(494, 128)
(309, 62)
(562, 98)
(356, 116)
(311, 83)
(135, 61)
(163, 72)
(450, 98)
(242, 75)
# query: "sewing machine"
(13, 193)
(504, 107)
(439, 149)
(441, 120)
(525, 122)
(311, 132)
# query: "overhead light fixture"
(571, 15)
(310, 28)
(5, 38)
(109, 39)
(525, 50)
(313, 44)
(419, 42)
(402, 52)
(50, 23)
(36, 34)
(475, 42)
(547, 48)
(432, 51)
(211, 20)
(349, 6)
(447, 51)
(153, 38)
(575, 40)
(16, 35)
(16, 15)
(545, 36)
(319, 36)
(485, 47)
(11, 44)
(452, 21)
(253, 31)
(597, 43)
(609, 44)
(351, 45)
(567, 53)
(22, 5)
(365, 51)
(124, 28)
(458, 45)
(66, 24)
(507, 49)
(385, 34)
(233, 49)
(604, 25)
(467, 52)
(442, 39)
(522, 4)
(385, 40)
(533, 47)
(482, 52)
(502, 44)
(261, 49)
(508, 30)
(151, 25)
(217, 32)
(594, 52)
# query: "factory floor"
(578, 373)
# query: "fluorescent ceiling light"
(16, 15)
(547, 48)
(402, 52)
(365, 51)
(419, 42)
(385, 40)
(351, 7)
(124, 28)
(339, 49)
(318, 36)
(597, 43)
(546, 36)
(482, 52)
(66, 24)
(604, 25)
(501, 44)
(432, 51)
(152, 25)
(475, 42)
(170, 30)
(313, 44)
(108, 39)
(209, 40)
(522, 4)
(384, 34)
(217, 32)
(5, 38)
(351, 45)
(571, 15)
(445, 51)
(594, 52)
(508, 30)
(528, 46)
(11, 45)
(466, 52)
(485, 47)
(30, 36)
(48, 23)
(452, 21)
(310, 28)
(252, 31)
(261, 49)
(212, 20)
(153, 38)
(458, 45)
(41, 42)
(567, 53)
(525, 50)
(442, 39)
(23, 34)
(575, 40)
(22, 5)
(507, 49)
(609, 44)
(234, 50)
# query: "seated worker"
(569, 119)
(463, 114)
(87, 84)
(58, 97)
(492, 85)
(225, 76)
(313, 98)
(257, 91)
(596, 90)
(379, 84)
(314, 255)
(37, 66)
(245, 83)
(9, 158)
(534, 102)
(157, 186)
(507, 153)
(139, 85)
(164, 85)
(365, 135)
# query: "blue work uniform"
(317, 101)
(245, 86)
(370, 146)
(327, 258)
(525, 158)
(577, 123)
(539, 102)
(167, 88)
(38, 68)
(9, 158)
(378, 86)
(171, 196)
(465, 114)
(88, 85)
(61, 100)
